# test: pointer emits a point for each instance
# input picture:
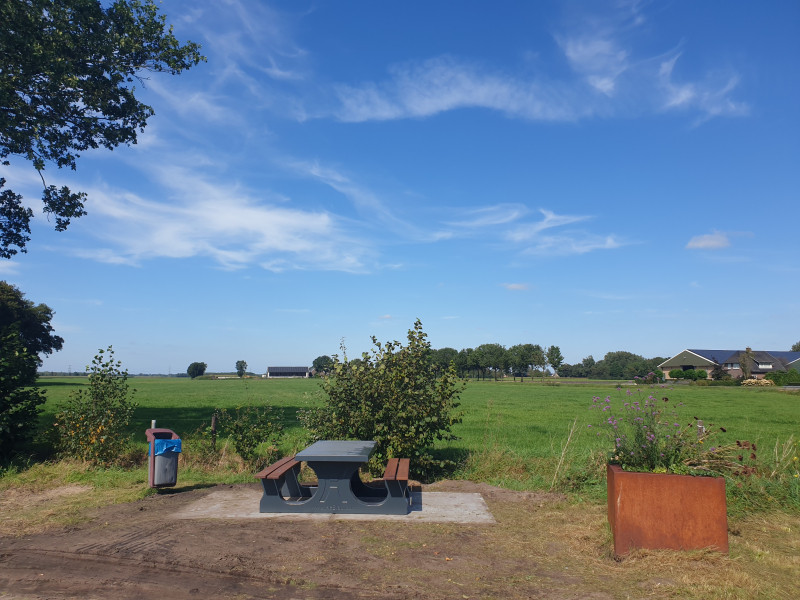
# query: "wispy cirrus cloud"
(446, 83)
(373, 210)
(612, 78)
(550, 220)
(229, 225)
(516, 287)
(711, 97)
(564, 245)
(489, 216)
(709, 241)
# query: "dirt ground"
(138, 550)
(540, 547)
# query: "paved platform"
(433, 507)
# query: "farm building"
(761, 361)
(273, 372)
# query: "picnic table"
(339, 487)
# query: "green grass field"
(518, 435)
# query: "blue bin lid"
(163, 446)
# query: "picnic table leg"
(277, 491)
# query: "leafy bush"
(92, 425)
(676, 374)
(393, 397)
(248, 428)
(729, 382)
(19, 404)
(784, 377)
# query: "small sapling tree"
(92, 424)
(391, 395)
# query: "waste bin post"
(162, 465)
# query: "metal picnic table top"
(337, 451)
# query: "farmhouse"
(761, 362)
(287, 372)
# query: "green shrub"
(393, 397)
(791, 377)
(92, 425)
(676, 374)
(19, 404)
(248, 428)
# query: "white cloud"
(711, 96)
(564, 245)
(217, 220)
(369, 204)
(445, 83)
(7, 267)
(489, 216)
(600, 60)
(602, 51)
(709, 241)
(551, 220)
(515, 287)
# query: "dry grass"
(51, 495)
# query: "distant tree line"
(495, 361)
(532, 360)
(614, 365)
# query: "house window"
(731, 365)
(764, 365)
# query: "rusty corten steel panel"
(654, 510)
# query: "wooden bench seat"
(278, 469)
(397, 469)
(281, 483)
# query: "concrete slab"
(432, 507)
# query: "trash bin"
(162, 468)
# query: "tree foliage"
(746, 363)
(554, 358)
(92, 424)
(539, 359)
(322, 364)
(19, 403)
(196, 369)
(29, 321)
(25, 332)
(493, 357)
(241, 368)
(391, 396)
(796, 347)
(67, 75)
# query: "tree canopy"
(241, 368)
(322, 364)
(25, 332)
(29, 322)
(196, 369)
(67, 69)
(796, 347)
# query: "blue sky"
(598, 176)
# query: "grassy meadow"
(530, 435)
(525, 436)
